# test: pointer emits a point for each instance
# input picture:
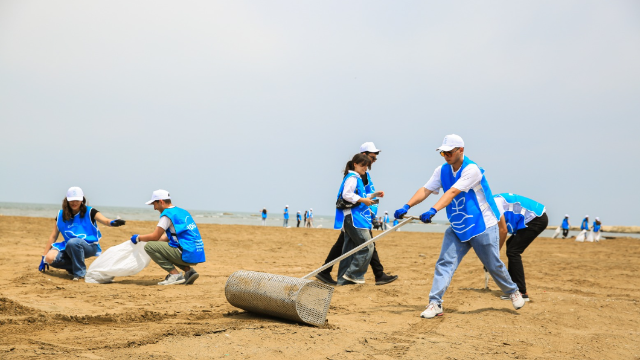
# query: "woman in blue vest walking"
(596, 229)
(354, 216)
(473, 215)
(264, 217)
(566, 225)
(81, 237)
(176, 241)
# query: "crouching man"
(176, 241)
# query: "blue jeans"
(453, 250)
(72, 257)
(286, 223)
(355, 266)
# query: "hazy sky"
(237, 105)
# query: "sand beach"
(584, 303)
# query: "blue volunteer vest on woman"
(565, 224)
(370, 189)
(464, 212)
(286, 213)
(585, 224)
(360, 213)
(189, 239)
(596, 227)
(518, 205)
(78, 227)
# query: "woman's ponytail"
(360, 159)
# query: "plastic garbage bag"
(581, 236)
(596, 237)
(589, 237)
(125, 259)
(557, 233)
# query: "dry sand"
(584, 303)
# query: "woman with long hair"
(77, 223)
(354, 218)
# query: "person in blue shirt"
(596, 229)
(175, 242)
(385, 221)
(81, 236)
(524, 219)
(381, 277)
(473, 215)
(286, 216)
(310, 218)
(566, 225)
(585, 223)
(298, 218)
(264, 216)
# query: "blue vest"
(464, 211)
(360, 213)
(189, 239)
(370, 189)
(585, 224)
(386, 218)
(514, 216)
(78, 227)
(395, 222)
(264, 215)
(298, 216)
(286, 213)
(565, 224)
(596, 227)
(310, 215)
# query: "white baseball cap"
(287, 206)
(74, 193)
(369, 147)
(451, 142)
(386, 212)
(586, 216)
(311, 209)
(158, 195)
(597, 218)
(566, 215)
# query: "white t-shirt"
(348, 191)
(165, 223)
(469, 179)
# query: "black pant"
(516, 245)
(565, 232)
(336, 251)
(298, 223)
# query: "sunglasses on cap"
(448, 153)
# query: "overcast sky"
(238, 105)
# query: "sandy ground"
(584, 303)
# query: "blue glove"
(43, 265)
(117, 222)
(401, 212)
(426, 217)
(134, 238)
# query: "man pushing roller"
(176, 241)
(473, 215)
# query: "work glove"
(116, 223)
(43, 265)
(401, 212)
(134, 238)
(426, 217)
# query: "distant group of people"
(584, 227)
(308, 217)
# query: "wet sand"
(584, 302)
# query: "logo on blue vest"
(458, 217)
(79, 236)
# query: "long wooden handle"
(406, 220)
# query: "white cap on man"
(386, 212)
(159, 195)
(369, 147)
(451, 142)
(287, 206)
(75, 194)
(566, 215)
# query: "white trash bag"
(125, 259)
(580, 237)
(596, 237)
(558, 231)
(589, 237)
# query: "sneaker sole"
(360, 282)
(525, 299)
(424, 317)
(387, 281)
(174, 283)
(191, 279)
(326, 281)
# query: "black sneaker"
(326, 278)
(385, 279)
(190, 276)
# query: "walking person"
(264, 216)
(596, 229)
(474, 222)
(306, 213)
(353, 217)
(585, 223)
(566, 225)
(310, 218)
(381, 277)
(175, 242)
(298, 218)
(77, 223)
(525, 220)
(286, 216)
(386, 221)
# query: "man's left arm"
(502, 230)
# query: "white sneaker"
(432, 311)
(353, 280)
(172, 279)
(517, 300)
(508, 297)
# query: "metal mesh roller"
(277, 295)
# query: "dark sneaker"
(190, 276)
(326, 278)
(385, 279)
